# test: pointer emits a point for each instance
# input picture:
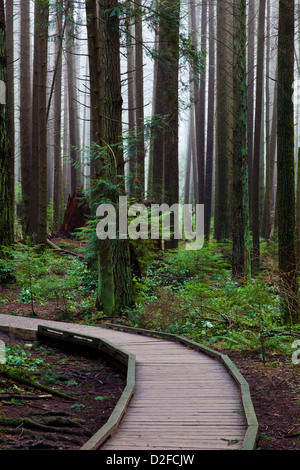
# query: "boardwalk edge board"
(120, 358)
(250, 440)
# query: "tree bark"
(201, 108)
(222, 205)
(240, 201)
(72, 95)
(11, 88)
(25, 113)
(38, 199)
(250, 85)
(257, 136)
(57, 202)
(285, 164)
(6, 181)
(139, 91)
(210, 123)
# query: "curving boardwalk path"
(184, 399)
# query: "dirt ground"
(275, 393)
(35, 419)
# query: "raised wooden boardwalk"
(184, 399)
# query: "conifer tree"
(285, 163)
(6, 180)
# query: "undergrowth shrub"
(46, 275)
(193, 294)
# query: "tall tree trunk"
(250, 87)
(106, 285)
(25, 113)
(188, 171)
(11, 88)
(257, 136)
(131, 109)
(57, 205)
(165, 154)
(42, 116)
(73, 124)
(285, 163)
(194, 78)
(240, 201)
(6, 181)
(200, 108)
(298, 212)
(210, 123)
(38, 199)
(266, 209)
(171, 164)
(66, 143)
(115, 277)
(222, 206)
(139, 92)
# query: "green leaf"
(102, 398)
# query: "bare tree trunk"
(6, 182)
(285, 164)
(38, 199)
(73, 124)
(200, 108)
(195, 99)
(139, 91)
(267, 212)
(57, 120)
(131, 110)
(250, 88)
(240, 203)
(25, 113)
(257, 136)
(11, 88)
(210, 123)
(222, 203)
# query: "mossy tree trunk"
(285, 164)
(114, 267)
(105, 292)
(112, 125)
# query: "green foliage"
(193, 294)
(16, 356)
(6, 272)
(48, 276)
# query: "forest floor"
(38, 419)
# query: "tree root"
(28, 423)
(17, 377)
